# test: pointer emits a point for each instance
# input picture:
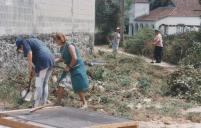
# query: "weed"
(144, 85)
(194, 117)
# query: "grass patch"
(194, 117)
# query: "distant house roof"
(141, 1)
(183, 8)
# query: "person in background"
(158, 43)
(40, 64)
(70, 55)
(116, 40)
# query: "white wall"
(146, 24)
(141, 9)
(176, 21)
(16, 16)
(84, 16)
(137, 10)
(46, 16)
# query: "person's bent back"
(43, 60)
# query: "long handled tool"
(26, 94)
(62, 77)
(60, 67)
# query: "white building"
(177, 17)
(46, 16)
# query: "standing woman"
(41, 58)
(158, 42)
(75, 65)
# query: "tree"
(158, 3)
(107, 15)
(128, 4)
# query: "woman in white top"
(158, 42)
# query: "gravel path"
(165, 65)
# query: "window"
(141, 25)
(136, 27)
(180, 28)
(164, 29)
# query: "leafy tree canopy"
(107, 15)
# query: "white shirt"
(158, 40)
(117, 37)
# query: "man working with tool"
(41, 58)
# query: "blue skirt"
(79, 79)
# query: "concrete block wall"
(46, 16)
(43, 18)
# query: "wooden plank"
(16, 124)
(40, 107)
(119, 125)
(26, 110)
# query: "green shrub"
(177, 48)
(9, 93)
(185, 83)
(123, 108)
(194, 117)
(193, 55)
(136, 44)
(144, 85)
(125, 81)
(100, 38)
(98, 73)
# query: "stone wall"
(10, 60)
(42, 18)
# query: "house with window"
(178, 16)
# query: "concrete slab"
(65, 117)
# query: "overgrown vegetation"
(178, 49)
(193, 55)
(140, 44)
(128, 86)
(160, 3)
(13, 82)
(132, 89)
(194, 117)
(185, 83)
(125, 86)
(184, 50)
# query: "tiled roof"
(187, 8)
(184, 8)
(156, 14)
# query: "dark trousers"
(158, 51)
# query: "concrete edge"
(26, 110)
